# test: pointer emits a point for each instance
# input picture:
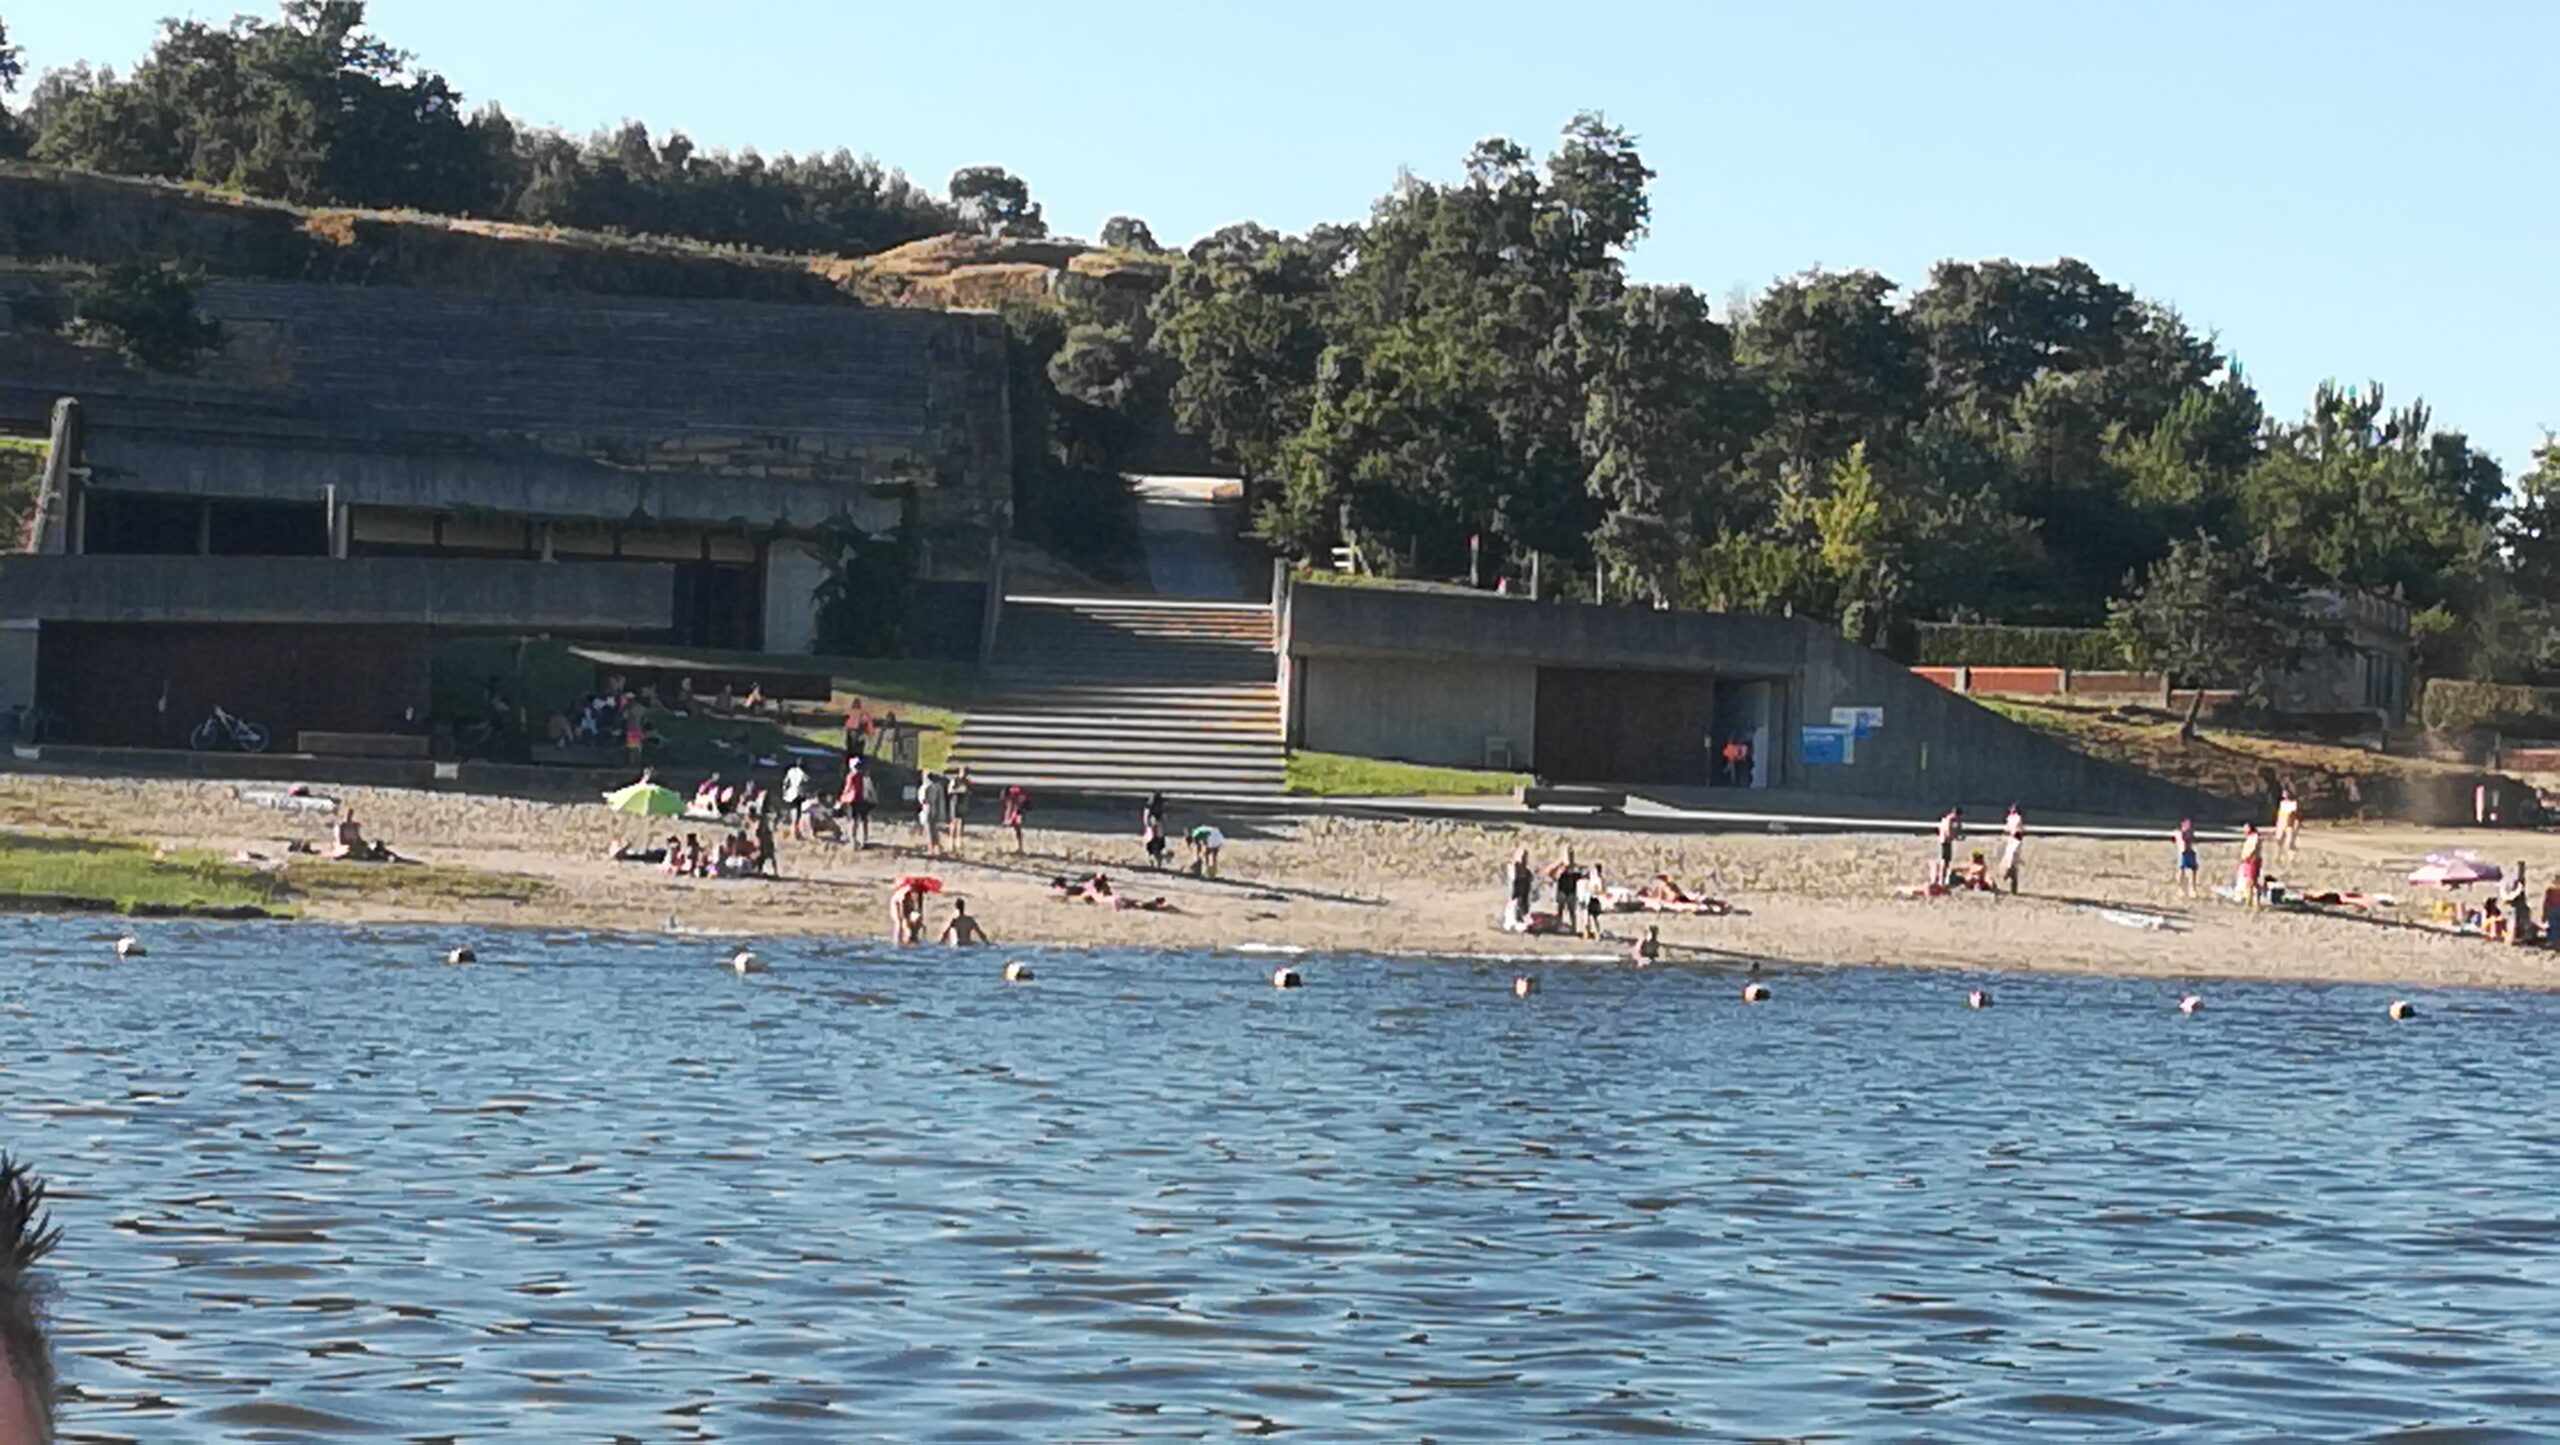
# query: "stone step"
(1237, 754)
(1033, 726)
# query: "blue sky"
(2345, 190)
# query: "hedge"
(2453, 706)
(1956, 644)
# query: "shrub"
(2454, 706)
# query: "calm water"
(318, 1185)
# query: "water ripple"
(610, 1191)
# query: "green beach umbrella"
(646, 799)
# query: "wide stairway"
(1131, 696)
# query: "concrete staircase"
(1129, 696)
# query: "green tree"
(1128, 233)
(2211, 617)
(148, 313)
(12, 140)
(2359, 495)
(309, 107)
(995, 202)
(1664, 426)
(1241, 321)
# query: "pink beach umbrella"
(2454, 870)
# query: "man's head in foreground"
(26, 1368)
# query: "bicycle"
(223, 726)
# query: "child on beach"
(1017, 801)
(2188, 879)
(2252, 864)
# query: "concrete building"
(691, 452)
(1635, 696)
(2369, 669)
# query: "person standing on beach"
(2013, 836)
(958, 822)
(931, 801)
(855, 801)
(1950, 833)
(2288, 823)
(2519, 916)
(1017, 801)
(1567, 876)
(1593, 900)
(1151, 829)
(1520, 881)
(2188, 878)
(2253, 862)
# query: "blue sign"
(1828, 746)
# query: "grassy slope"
(2228, 764)
(1334, 775)
(548, 676)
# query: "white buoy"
(130, 947)
(1523, 986)
(1755, 993)
(1017, 972)
(1979, 998)
(743, 963)
(2401, 1008)
(2192, 1003)
(1287, 978)
(461, 955)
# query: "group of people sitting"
(740, 854)
(1581, 895)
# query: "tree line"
(311, 107)
(1468, 380)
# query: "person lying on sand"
(1096, 889)
(1662, 895)
(1538, 921)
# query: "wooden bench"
(1548, 795)
(361, 745)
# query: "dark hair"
(25, 1238)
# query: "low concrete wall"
(1415, 711)
(370, 591)
(1933, 748)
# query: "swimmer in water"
(963, 930)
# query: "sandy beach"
(1330, 883)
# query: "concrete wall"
(1934, 748)
(791, 577)
(1414, 710)
(17, 663)
(375, 591)
(593, 407)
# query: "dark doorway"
(719, 604)
(1610, 726)
(269, 529)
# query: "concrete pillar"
(792, 574)
(18, 662)
(54, 533)
(993, 613)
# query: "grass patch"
(412, 884)
(123, 876)
(1336, 775)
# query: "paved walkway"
(1192, 529)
